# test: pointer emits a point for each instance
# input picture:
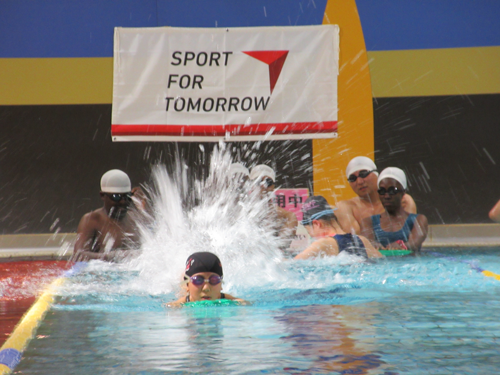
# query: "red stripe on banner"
(222, 130)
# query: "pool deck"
(14, 247)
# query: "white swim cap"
(238, 168)
(262, 170)
(395, 173)
(115, 181)
(360, 163)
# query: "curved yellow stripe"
(355, 116)
(428, 72)
(56, 81)
(28, 325)
(491, 274)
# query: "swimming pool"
(424, 315)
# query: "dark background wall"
(449, 149)
(52, 159)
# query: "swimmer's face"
(206, 291)
(116, 208)
(313, 228)
(393, 193)
(266, 185)
(364, 186)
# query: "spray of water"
(229, 219)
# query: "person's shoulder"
(348, 203)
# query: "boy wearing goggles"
(395, 228)
(203, 278)
(362, 177)
(107, 232)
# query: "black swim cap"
(203, 262)
(314, 208)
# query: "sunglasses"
(392, 190)
(117, 197)
(362, 174)
(268, 182)
(199, 280)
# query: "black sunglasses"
(268, 182)
(363, 174)
(392, 190)
(117, 197)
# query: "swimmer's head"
(203, 262)
(394, 173)
(115, 181)
(262, 170)
(360, 163)
(316, 208)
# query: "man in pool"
(109, 232)
(362, 176)
(321, 223)
(395, 228)
(203, 278)
(285, 221)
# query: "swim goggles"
(117, 197)
(199, 280)
(391, 190)
(267, 182)
(363, 174)
(316, 216)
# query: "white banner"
(255, 83)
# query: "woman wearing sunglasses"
(394, 229)
(321, 223)
(203, 280)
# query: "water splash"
(228, 219)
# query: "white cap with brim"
(238, 168)
(115, 181)
(262, 170)
(395, 173)
(360, 163)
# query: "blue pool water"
(424, 315)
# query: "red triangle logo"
(275, 60)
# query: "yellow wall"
(355, 116)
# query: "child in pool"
(203, 278)
(320, 222)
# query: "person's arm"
(370, 250)
(288, 227)
(319, 247)
(346, 218)
(409, 204)
(495, 213)
(236, 299)
(177, 303)
(84, 237)
(418, 234)
(367, 231)
(86, 233)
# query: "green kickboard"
(217, 302)
(395, 253)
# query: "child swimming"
(203, 278)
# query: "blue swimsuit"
(385, 238)
(351, 244)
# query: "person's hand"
(139, 198)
